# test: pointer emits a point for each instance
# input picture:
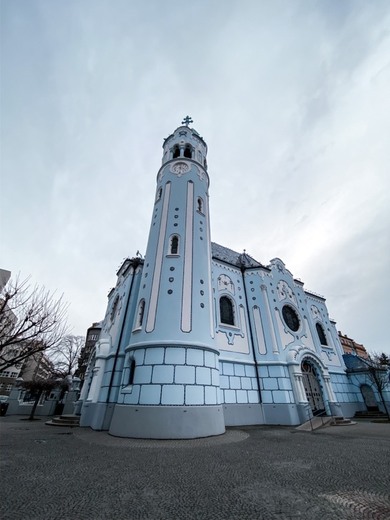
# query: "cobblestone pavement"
(269, 473)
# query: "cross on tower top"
(187, 120)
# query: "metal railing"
(322, 415)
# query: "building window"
(176, 152)
(114, 308)
(140, 314)
(200, 205)
(188, 151)
(226, 310)
(132, 371)
(291, 318)
(158, 195)
(174, 245)
(321, 334)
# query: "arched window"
(188, 151)
(226, 310)
(321, 334)
(200, 205)
(140, 314)
(176, 152)
(174, 245)
(132, 371)
(159, 194)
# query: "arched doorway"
(312, 388)
(369, 398)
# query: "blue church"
(197, 337)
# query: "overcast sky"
(292, 98)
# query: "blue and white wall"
(171, 363)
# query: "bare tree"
(65, 355)
(380, 358)
(379, 376)
(32, 320)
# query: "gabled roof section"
(232, 257)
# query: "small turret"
(185, 143)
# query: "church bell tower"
(171, 376)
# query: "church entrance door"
(369, 398)
(312, 389)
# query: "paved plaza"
(269, 473)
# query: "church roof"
(232, 257)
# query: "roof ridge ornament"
(187, 120)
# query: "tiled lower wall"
(239, 385)
(344, 390)
(172, 376)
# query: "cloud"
(290, 97)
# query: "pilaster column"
(275, 349)
(329, 389)
(300, 388)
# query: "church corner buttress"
(197, 337)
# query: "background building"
(91, 338)
(350, 346)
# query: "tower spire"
(187, 120)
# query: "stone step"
(342, 421)
(369, 412)
(65, 420)
(370, 415)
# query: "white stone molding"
(151, 319)
(299, 388)
(186, 311)
(200, 173)
(275, 348)
(259, 330)
(210, 288)
(225, 284)
(285, 292)
(315, 313)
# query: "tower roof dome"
(185, 142)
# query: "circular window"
(290, 317)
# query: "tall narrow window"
(200, 205)
(174, 247)
(188, 151)
(226, 310)
(132, 371)
(176, 152)
(140, 314)
(321, 334)
(158, 195)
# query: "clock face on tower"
(179, 168)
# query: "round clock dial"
(180, 168)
